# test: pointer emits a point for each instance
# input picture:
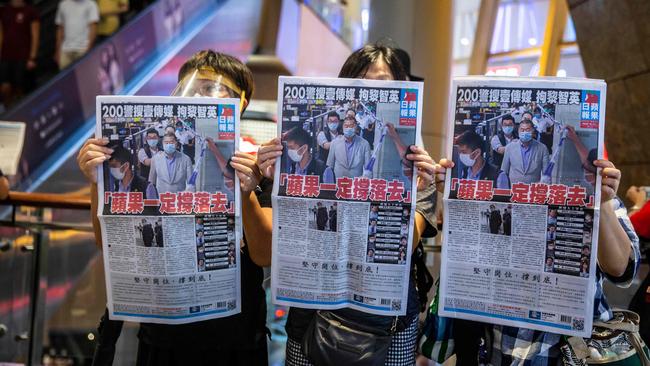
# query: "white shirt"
(322, 139)
(75, 16)
(496, 143)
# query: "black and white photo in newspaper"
(343, 192)
(169, 208)
(522, 202)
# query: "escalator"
(141, 59)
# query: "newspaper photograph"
(169, 208)
(522, 202)
(343, 192)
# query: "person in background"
(495, 220)
(470, 149)
(331, 132)
(19, 48)
(120, 168)
(507, 221)
(150, 148)
(503, 138)
(76, 31)
(109, 16)
(321, 216)
(170, 170)
(525, 160)
(348, 156)
(298, 149)
(640, 212)
(4, 186)
(158, 231)
(332, 217)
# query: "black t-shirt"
(241, 331)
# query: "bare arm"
(258, 228)
(4, 188)
(94, 202)
(92, 34)
(36, 29)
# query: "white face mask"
(295, 155)
(117, 173)
(467, 160)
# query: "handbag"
(437, 340)
(332, 339)
(614, 342)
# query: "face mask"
(152, 142)
(333, 126)
(349, 132)
(170, 148)
(466, 160)
(117, 173)
(525, 136)
(179, 130)
(508, 129)
(294, 155)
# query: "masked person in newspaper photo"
(351, 156)
(532, 143)
(235, 340)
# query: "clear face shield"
(206, 82)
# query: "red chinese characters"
(378, 190)
(219, 202)
(576, 196)
(185, 202)
(538, 193)
(557, 194)
(202, 202)
(344, 188)
(395, 191)
(484, 190)
(311, 187)
(361, 188)
(168, 203)
(520, 193)
(118, 202)
(136, 203)
(295, 185)
(466, 189)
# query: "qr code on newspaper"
(396, 305)
(578, 324)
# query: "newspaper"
(12, 136)
(168, 208)
(342, 206)
(521, 221)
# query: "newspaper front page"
(169, 208)
(343, 193)
(522, 202)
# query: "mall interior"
(52, 282)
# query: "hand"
(268, 153)
(247, 170)
(636, 195)
(424, 165)
(441, 173)
(93, 153)
(571, 133)
(611, 178)
(391, 130)
(31, 64)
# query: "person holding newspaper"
(618, 261)
(236, 340)
(376, 62)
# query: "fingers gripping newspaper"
(522, 202)
(343, 193)
(169, 208)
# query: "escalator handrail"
(47, 200)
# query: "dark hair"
(121, 154)
(471, 140)
(360, 60)
(334, 114)
(529, 112)
(221, 63)
(586, 247)
(349, 119)
(169, 134)
(508, 117)
(527, 121)
(299, 136)
(153, 130)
